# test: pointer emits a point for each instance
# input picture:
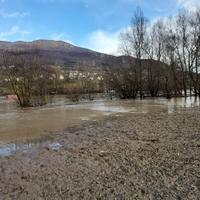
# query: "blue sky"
(93, 24)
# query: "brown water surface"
(21, 125)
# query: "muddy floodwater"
(35, 124)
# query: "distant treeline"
(167, 57)
(32, 80)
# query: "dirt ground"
(134, 156)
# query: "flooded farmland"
(18, 124)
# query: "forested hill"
(57, 52)
(64, 54)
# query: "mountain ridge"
(66, 55)
(57, 52)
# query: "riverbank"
(132, 156)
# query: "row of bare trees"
(27, 77)
(32, 79)
(167, 56)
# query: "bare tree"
(28, 77)
(135, 40)
(154, 50)
(171, 48)
(181, 45)
(194, 56)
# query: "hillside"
(70, 56)
(58, 52)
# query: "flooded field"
(34, 124)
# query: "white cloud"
(15, 30)
(159, 10)
(57, 36)
(13, 14)
(189, 4)
(60, 36)
(104, 42)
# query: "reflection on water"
(20, 125)
(9, 149)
